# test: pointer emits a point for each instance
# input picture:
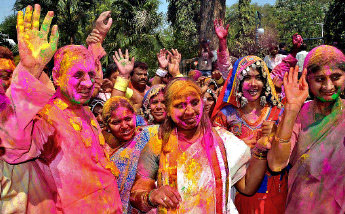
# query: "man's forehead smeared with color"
(68, 56)
(74, 73)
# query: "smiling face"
(186, 109)
(157, 106)
(76, 78)
(122, 124)
(209, 103)
(252, 85)
(327, 83)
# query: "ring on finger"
(165, 198)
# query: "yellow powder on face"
(108, 106)
(180, 88)
(7, 64)
(182, 95)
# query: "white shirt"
(273, 62)
(300, 56)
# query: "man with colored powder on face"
(63, 138)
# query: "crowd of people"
(240, 135)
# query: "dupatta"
(316, 180)
(231, 95)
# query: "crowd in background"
(245, 135)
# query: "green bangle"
(149, 199)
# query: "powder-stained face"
(209, 103)
(6, 70)
(252, 85)
(297, 40)
(157, 106)
(6, 77)
(186, 109)
(77, 79)
(122, 124)
(327, 83)
(139, 77)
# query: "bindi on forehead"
(121, 111)
(186, 99)
(328, 71)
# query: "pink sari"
(316, 180)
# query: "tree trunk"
(209, 11)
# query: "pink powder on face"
(74, 71)
(186, 109)
(324, 55)
(328, 70)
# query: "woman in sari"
(247, 103)
(311, 135)
(153, 107)
(193, 166)
(125, 141)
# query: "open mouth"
(84, 94)
(328, 93)
(253, 92)
(126, 132)
(159, 113)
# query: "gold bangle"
(281, 140)
(121, 84)
(259, 153)
(259, 157)
(220, 81)
(179, 75)
(129, 93)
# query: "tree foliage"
(185, 23)
(335, 24)
(8, 26)
(299, 16)
(71, 16)
(139, 26)
(135, 24)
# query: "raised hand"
(165, 196)
(34, 49)
(94, 37)
(174, 58)
(296, 91)
(221, 32)
(103, 24)
(123, 64)
(162, 58)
